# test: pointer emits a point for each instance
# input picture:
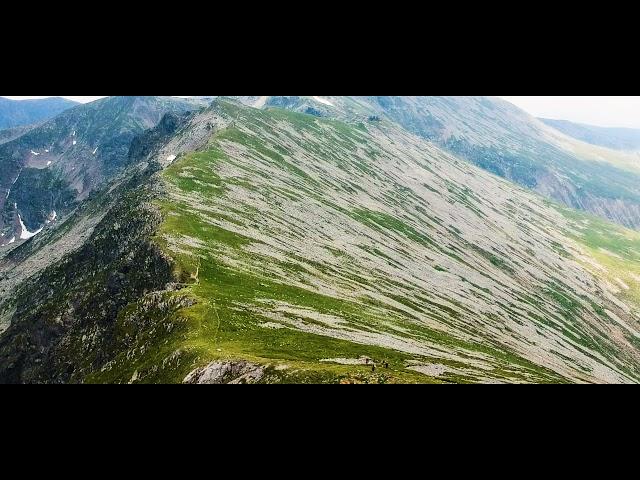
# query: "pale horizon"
(603, 111)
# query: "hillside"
(272, 246)
(45, 172)
(504, 140)
(17, 113)
(10, 134)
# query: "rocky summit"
(256, 239)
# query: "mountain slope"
(12, 133)
(17, 113)
(286, 247)
(627, 139)
(45, 172)
(506, 141)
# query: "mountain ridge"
(46, 171)
(18, 113)
(296, 248)
(504, 140)
(617, 138)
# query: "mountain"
(626, 139)
(17, 113)
(45, 172)
(506, 141)
(9, 134)
(245, 245)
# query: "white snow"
(34, 153)
(74, 142)
(324, 101)
(48, 163)
(52, 217)
(171, 158)
(14, 182)
(46, 151)
(13, 239)
(94, 152)
(73, 134)
(24, 233)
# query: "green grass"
(234, 300)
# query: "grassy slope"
(223, 217)
(615, 249)
(219, 329)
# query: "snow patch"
(14, 182)
(94, 152)
(48, 163)
(13, 239)
(73, 134)
(34, 153)
(52, 217)
(324, 101)
(171, 158)
(46, 151)
(75, 143)
(24, 233)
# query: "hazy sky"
(77, 99)
(603, 111)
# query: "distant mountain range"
(615, 138)
(17, 113)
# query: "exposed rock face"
(64, 322)
(144, 145)
(216, 373)
(624, 211)
(59, 163)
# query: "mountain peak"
(17, 113)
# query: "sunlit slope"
(611, 253)
(309, 243)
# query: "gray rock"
(232, 372)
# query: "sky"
(77, 99)
(602, 111)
